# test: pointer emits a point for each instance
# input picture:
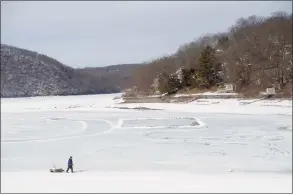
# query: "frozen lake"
(128, 140)
(143, 140)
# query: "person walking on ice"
(70, 165)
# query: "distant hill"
(27, 73)
(118, 75)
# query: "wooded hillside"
(253, 54)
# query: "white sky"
(97, 33)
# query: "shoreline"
(106, 103)
(187, 98)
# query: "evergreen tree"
(189, 77)
(186, 77)
(206, 73)
(173, 84)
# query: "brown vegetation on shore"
(254, 54)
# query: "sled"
(57, 170)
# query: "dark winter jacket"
(70, 163)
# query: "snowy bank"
(229, 106)
(208, 94)
(110, 102)
(135, 182)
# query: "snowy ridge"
(163, 127)
(119, 123)
(230, 106)
(208, 94)
(195, 123)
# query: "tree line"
(255, 53)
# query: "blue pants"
(69, 167)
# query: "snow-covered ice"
(146, 182)
(203, 146)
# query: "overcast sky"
(96, 33)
